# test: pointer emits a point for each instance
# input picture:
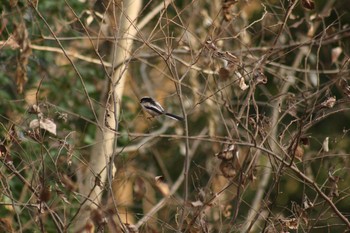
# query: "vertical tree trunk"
(125, 14)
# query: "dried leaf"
(308, 4)
(227, 211)
(242, 84)
(45, 194)
(45, 124)
(311, 31)
(34, 109)
(227, 168)
(307, 203)
(228, 153)
(227, 8)
(314, 79)
(6, 225)
(325, 144)
(259, 77)
(89, 20)
(329, 103)
(10, 42)
(290, 223)
(162, 186)
(197, 203)
(224, 73)
(336, 53)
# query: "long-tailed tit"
(153, 108)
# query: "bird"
(154, 108)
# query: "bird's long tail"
(178, 118)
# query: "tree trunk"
(125, 14)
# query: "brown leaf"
(307, 203)
(6, 225)
(197, 203)
(227, 211)
(45, 194)
(242, 84)
(227, 168)
(228, 152)
(227, 8)
(224, 73)
(308, 4)
(336, 53)
(329, 103)
(10, 42)
(45, 124)
(291, 223)
(162, 186)
(259, 77)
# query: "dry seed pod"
(228, 152)
(291, 223)
(227, 8)
(259, 77)
(34, 109)
(329, 103)
(45, 194)
(227, 168)
(224, 73)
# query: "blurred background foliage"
(213, 102)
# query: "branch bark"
(102, 154)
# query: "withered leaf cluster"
(229, 156)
